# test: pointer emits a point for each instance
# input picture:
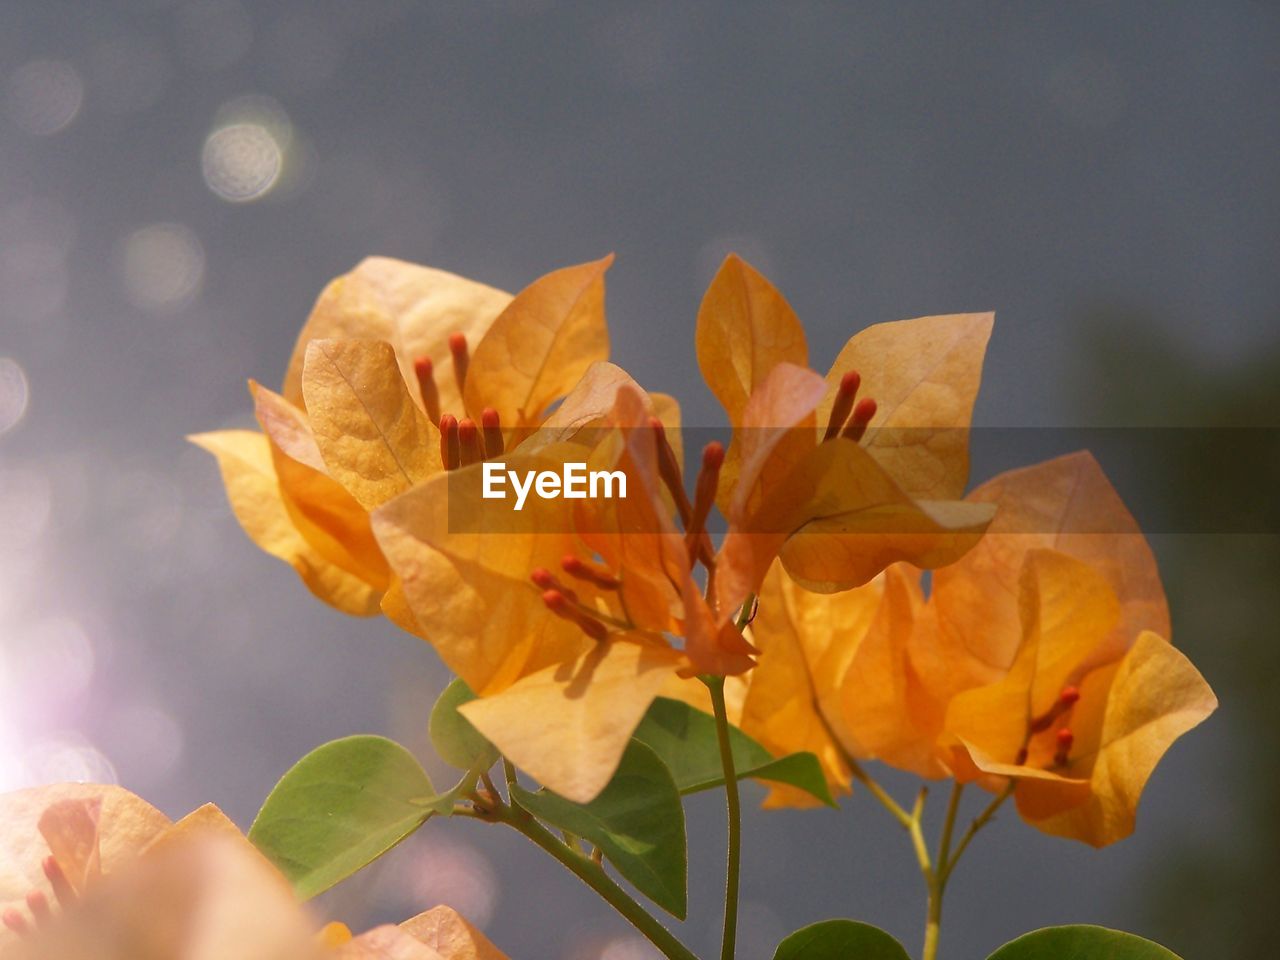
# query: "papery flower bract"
(387, 350)
(840, 489)
(832, 676)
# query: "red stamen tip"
(450, 448)
(543, 579)
(864, 410)
(489, 419)
(423, 367)
(457, 343)
(15, 921)
(571, 564)
(1066, 739)
(467, 428)
(657, 426)
(850, 382)
(556, 601)
(38, 904)
(713, 455)
(1069, 696)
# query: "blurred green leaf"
(342, 806)
(459, 743)
(1081, 942)
(840, 940)
(685, 739)
(637, 821)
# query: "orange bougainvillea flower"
(846, 474)
(1039, 657)
(562, 609)
(92, 872)
(391, 352)
(832, 676)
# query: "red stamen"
(450, 451)
(469, 442)
(559, 604)
(461, 358)
(704, 496)
(545, 580)
(58, 880)
(491, 425)
(1066, 700)
(15, 922)
(843, 404)
(424, 369)
(581, 570)
(38, 904)
(669, 470)
(863, 411)
(1066, 740)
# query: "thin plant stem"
(733, 870)
(980, 821)
(590, 873)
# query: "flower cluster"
(1035, 660)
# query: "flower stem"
(733, 870)
(593, 875)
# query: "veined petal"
(464, 564)
(414, 308)
(1067, 610)
(448, 933)
(1065, 504)
(326, 515)
(1156, 695)
(253, 489)
(794, 630)
(540, 346)
(374, 438)
(745, 329)
(586, 711)
(924, 376)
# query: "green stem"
(935, 879)
(593, 875)
(980, 821)
(733, 870)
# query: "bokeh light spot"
(14, 394)
(162, 266)
(44, 96)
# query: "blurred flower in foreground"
(1039, 659)
(94, 872)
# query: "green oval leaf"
(1081, 942)
(840, 940)
(340, 807)
(637, 821)
(459, 743)
(685, 739)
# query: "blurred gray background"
(179, 178)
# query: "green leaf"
(342, 806)
(459, 743)
(1081, 942)
(840, 940)
(685, 739)
(637, 821)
